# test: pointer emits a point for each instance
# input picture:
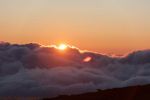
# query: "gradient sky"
(109, 26)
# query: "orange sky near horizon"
(105, 26)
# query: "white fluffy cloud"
(33, 70)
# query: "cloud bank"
(35, 70)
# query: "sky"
(107, 26)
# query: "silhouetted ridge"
(127, 93)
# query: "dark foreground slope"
(128, 93)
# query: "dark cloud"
(35, 70)
(137, 57)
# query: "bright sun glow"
(87, 59)
(62, 47)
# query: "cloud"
(35, 70)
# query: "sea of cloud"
(36, 70)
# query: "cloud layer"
(35, 70)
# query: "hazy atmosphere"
(75, 49)
(108, 26)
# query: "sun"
(62, 47)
